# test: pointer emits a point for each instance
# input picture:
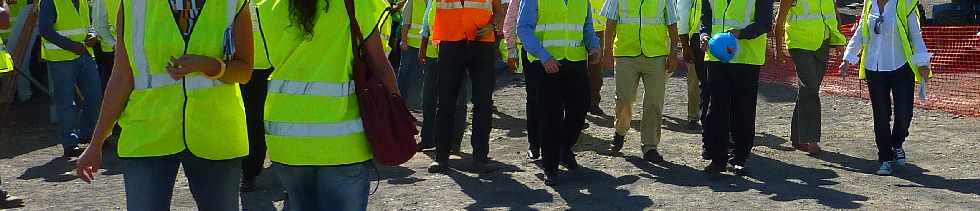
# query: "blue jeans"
(410, 76)
(343, 188)
(150, 181)
(430, 97)
(73, 115)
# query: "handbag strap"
(355, 29)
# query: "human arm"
(526, 24)
(762, 23)
(920, 54)
(780, 28)
(116, 96)
(46, 19)
(610, 11)
(406, 25)
(236, 70)
(99, 21)
(706, 23)
(510, 24)
(855, 45)
(672, 34)
(591, 39)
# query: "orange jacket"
(458, 20)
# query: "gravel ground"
(944, 171)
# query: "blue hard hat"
(723, 46)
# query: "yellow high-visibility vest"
(560, 29)
(72, 24)
(260, 58)
(165, 116)
(738, 14)
(811, 24)
(904, 7)
(112, 11)
(312, 116)
(642, 29)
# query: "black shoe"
(618, 141)
(704, 154)
(738, 167)
(596, 110)
(693, 125)
(73, 152)
(569, 162)
(716, 167)
(10, 202)
(437, 167)
(248, 185)
(533, 155)
(551, 179)
(653, 156)
(423, 147)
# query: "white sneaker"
(900, 157)
(885, 169)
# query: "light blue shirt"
(528, 21)
(611, 10)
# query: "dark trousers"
(104, 60)
(810, 69)
(702, 70)
(478, 59)
(885, 88)
(430, 99)
(532, 87)
(596, 73)
(253, 94)
(564, 99)
(734, 90)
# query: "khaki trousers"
(629, 72)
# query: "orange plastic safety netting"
(955, 63)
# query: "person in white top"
(894, 57)
(104, 31)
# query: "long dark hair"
(303, 14)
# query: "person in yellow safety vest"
(67, 49)
(642, 37)
(410, 73)
(888, 45)
(805, 31)
(531, 79)
(253, 94)
(430, 91)
(734, 84)
(104, 20)
(688, 23)
(597, 71)
(560, 38)
(314, 133)
(175, 94)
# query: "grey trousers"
(810, 69)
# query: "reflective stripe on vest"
(314, 130)
(458, 20)
(641, 29)
(484, 5)
(903, 7)
(415, 27)
(810, 25)
(560, 29)
(65, 33)
(311, 88)
(751, 51)
(73, 23)
(694, 19)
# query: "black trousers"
(478, 59)
(532, 80)
(104, 60)
(564, 97)
(886, 88)
(731, 112)
(702, 70)
(253, 94)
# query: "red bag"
(390, 128)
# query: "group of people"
(175, 91)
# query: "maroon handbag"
(390, 128)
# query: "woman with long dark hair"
(175, 94)
(314, 132)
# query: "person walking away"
(688, 23)
(176, 96)
(410, 73)
(560, 38)
(104, 21)
(642, 37)
(805, 31)
(67, 49)
(253, 95)
(734, 84)
(597, 71)
(465, 32)
(429, 58)
(531, 79)
(888, 46)
(315, 136)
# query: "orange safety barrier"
(955, 63)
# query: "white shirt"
(683, 16)
(101, 24)
(884, 52)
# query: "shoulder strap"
(355, 29)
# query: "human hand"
(735, 32)
(187, 64)
(843, 69)
(91, 40)
(704, 41)
(595, 56)
(551, 66)
(482, 31)
(512, 64)
(88, 164)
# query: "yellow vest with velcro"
(260, 58)
(70, 23)
(165, 116)
(738, 14)
(112, 11)
(560, 29)
(811, 23)
(904, 7)
(415, 30)
(641, 29)
(598, 21)
(312, 116)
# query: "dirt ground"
(944, 171)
